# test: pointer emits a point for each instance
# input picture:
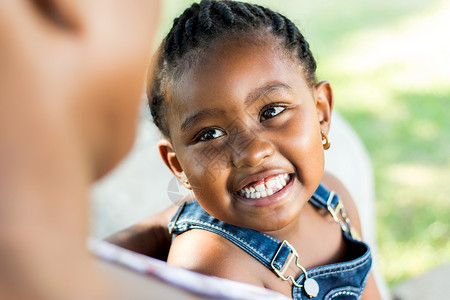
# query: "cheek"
(206, 162)
(208, 176)
(301, 141)
(205, 174)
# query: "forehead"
(230, 71)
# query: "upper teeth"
(267, 188)
(260, 187)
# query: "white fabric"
(209, 286)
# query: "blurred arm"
(63, 63)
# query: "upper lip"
(258, 176)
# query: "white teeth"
(260, 191)
(270, 183)
(260, 187)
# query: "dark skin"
(282, 116)
(149, 237)
(234, 79)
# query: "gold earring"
(187, 184)
(184, 180)
(325, 142)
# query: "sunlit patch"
(417, 176)
(425, 130)
(416, 46)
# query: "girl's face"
(245, 129)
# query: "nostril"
(253, 154)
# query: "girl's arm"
(149, 237)
(371, 290)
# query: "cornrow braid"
(204, 23)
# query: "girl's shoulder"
(333, 183)
(211, 254)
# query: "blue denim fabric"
(345, 280)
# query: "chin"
(271, 226)
(108, 159)
(264, 223)
(103, 170)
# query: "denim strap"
(269, 251)
(321, 196)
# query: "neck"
(299, 227)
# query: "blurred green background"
(389, 65)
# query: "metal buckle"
(281, 272)
(338, 209)
(345, 221)
(334, 212)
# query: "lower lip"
(269, 200)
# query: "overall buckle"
(293, 254)
(344, 221)
(310, 285)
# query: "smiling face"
(245, 128)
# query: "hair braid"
(278, 21)
(204, 15)
(225, 12)
(257, 10)
(244, 11)
(156, 100)
(201, 25)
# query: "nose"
(250, 151)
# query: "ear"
(323, 95)
(170, 158)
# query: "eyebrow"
(254, 95)
(264, 90)
(190, 121)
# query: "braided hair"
(209, 22)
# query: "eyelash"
(271, 106)
(200, 136)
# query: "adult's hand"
(71, 76)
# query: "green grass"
(388, 62)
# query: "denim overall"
(344, 280)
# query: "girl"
(245, 124)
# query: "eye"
(271, 112)
(210, 134)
